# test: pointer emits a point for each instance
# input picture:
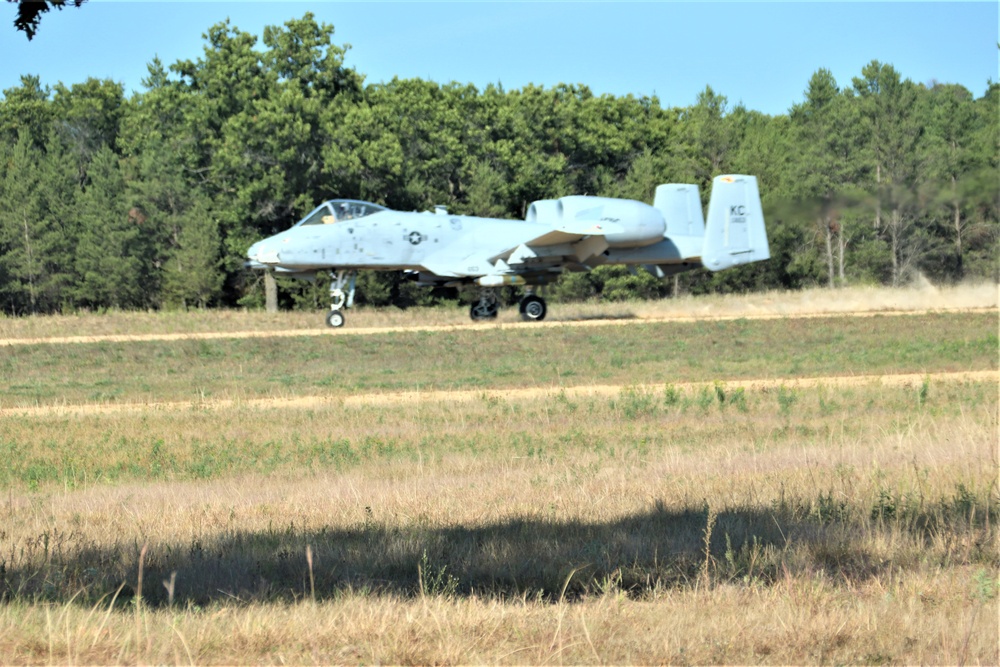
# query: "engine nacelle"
(641, 224)
(544, 210)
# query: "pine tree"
(21, 209)
(109, 258)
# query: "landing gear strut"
(339, 298)
(487, 306)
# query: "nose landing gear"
(340, 299)
(335, 319)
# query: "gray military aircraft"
(575, 233)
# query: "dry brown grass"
(915, 619)
(851, 525)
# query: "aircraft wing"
(571, 232)
(566, 242)
(520, 253)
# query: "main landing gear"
(340, 299)
(532, 307)
(487, 307)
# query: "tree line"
(151, 200)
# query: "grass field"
(654, 352)
(663, 523)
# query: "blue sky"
(760, 54)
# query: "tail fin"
(680, 205)
(734, 233)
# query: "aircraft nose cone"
(261, 255)
(252, 262)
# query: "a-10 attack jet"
(575, 233)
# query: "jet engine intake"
(543, 210)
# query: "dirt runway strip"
(586, 322)
(468, 395)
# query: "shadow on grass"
(531, 556)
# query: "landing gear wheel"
(486, 308)
(479, 311)
(532, 308)
(335, 319)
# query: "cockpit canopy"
(339, 210)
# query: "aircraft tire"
(533, 308)
(335, 319)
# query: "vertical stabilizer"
(734, 231)
(680, 205)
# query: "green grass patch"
(578, 355)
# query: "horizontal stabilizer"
(680, 204)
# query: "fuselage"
(386, 240)
(456, 246)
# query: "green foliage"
(111, 258)
(26, 108)
(671, 395)
(434, 580)
(573, 286)
(705, 399)
(36, 231)
(987, 585)
(867, 183)
(635, 403)
(924, 391)
(786, 399)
